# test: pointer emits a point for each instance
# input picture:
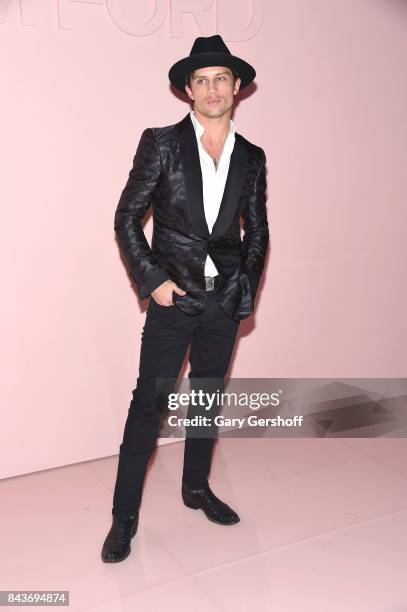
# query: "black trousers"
(166, 336)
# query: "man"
(200, 177)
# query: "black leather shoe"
(117, 543)
(215, 509)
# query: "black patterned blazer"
(166, 174)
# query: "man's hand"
(163, 294)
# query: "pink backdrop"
(80, 81)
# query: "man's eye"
(199, 81)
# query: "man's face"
(212, 90)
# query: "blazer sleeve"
(135, 200)
(256, 232)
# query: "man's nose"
(212, 86)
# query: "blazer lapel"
(192, 176)
(233, 187)
(193, 181)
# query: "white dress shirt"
(213, 180)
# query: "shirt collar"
(199, 128)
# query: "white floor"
(323, 528)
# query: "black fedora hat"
(209, 51)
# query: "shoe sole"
(198, 507)
(117, 560)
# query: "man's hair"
(189, 76)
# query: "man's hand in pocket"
(163, 294)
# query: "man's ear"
(237, 86)
(189, 92)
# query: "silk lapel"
(192, 176)
(233, 187)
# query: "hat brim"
(180, 69)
